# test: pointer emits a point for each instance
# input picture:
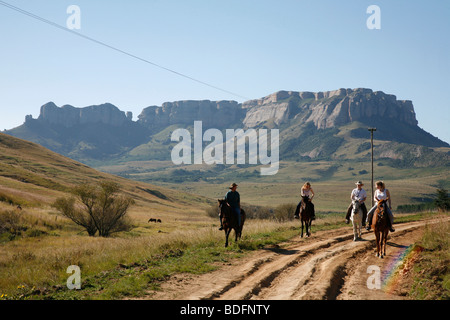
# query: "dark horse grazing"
(306, 215)
(381, 227)
(229, 221)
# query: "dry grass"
(42, 260)
(431, 272)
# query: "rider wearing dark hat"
(233, 200)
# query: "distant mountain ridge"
(69, 116)
(104, 132)
(329, 109)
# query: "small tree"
(442, 200)
(97, 208)
(67, 207)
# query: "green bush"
(285, 212)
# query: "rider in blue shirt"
(234, 201)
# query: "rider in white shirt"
(358, 194)
(306, 191)
(381, 194)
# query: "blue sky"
(250, 47)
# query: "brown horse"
(306, 215)
(381, 227)
(230, 221)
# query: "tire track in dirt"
(319, 267)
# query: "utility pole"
(371, 142)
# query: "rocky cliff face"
(309, 124)
(328, 109)
(214, 114)
(325, 109)
(69, 116)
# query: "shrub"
(97, 208)
(442, 200)
(285, 212)
(11, 225)
(10, 221)
(213, 211)
(251, 212)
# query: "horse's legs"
(360, 229)
(385, 241)
(309, 228)
(377, 236)
(302, 229)
(360, 221)
(227, 233)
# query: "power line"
(53, 24)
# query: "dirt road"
(329, 265)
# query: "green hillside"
(34, 176)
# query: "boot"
(391, 228)
(297, 212)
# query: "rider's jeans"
(237, 211)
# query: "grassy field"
(331, 195)
(39, 244)
(33, 264)
(431, 274)
(332, 182)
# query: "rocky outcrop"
(213, 114)
(300, 116)
(325, 109)
(69, 116)
(328, 109)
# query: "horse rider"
(306, 191)
(358, 194)
(233, 200)
(381, 194)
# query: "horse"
(230, 221)
(356, 218)
(305, 215)
(381, 227)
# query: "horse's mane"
(225, 209)
(381, 209)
